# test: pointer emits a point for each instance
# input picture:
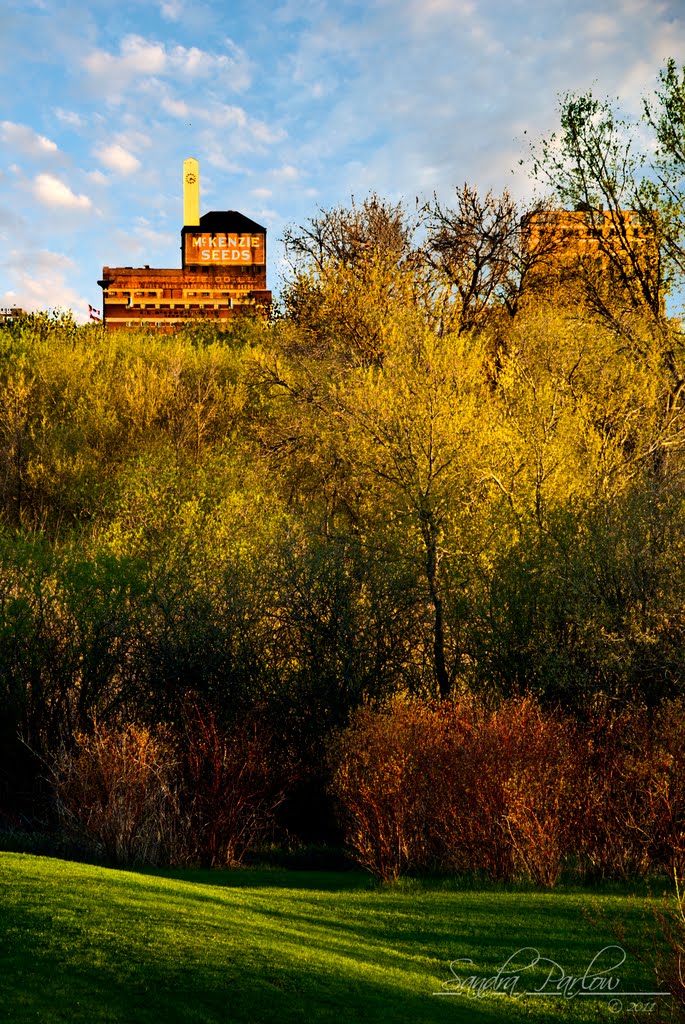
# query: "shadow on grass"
(269, 878)
(79, 944)
(144, 961)
(254, 877)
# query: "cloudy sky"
(289, 105)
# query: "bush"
(456, 787)
(668, 844)
(537, 764)
(667, 950)
(194, 795)
(380, 782)
(229, 787)
(505, 801)
(511, 791)
(632, 808)
(119, 788)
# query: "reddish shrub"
(194, 796)
(456, 787)
(118, 787)
(633, 809)
(512, 808)
(669, 840)
(380, 782)
(229, 787)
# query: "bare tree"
(346, 234)
(483, 249)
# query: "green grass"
(88, 944)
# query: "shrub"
(380, 782)
(632, 812)
(118, 787)
(669, 840)
(230, 787)
(456, 787)
(196, 795)
(510, 802)
(666, 952)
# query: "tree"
(349, 266)
(481, 248)
(345, 235)
(391, 453)
(666, 118)
(584, 597)
(594, 166)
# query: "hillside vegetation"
(444, 472)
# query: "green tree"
(397, 452)
(349, 267)
(593, 164)
(665, 115)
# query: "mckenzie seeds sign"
(223, 249)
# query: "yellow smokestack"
(191, 193)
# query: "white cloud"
(265, 134)
(601, 26)
(286, 173)
(270, 216)
(40, 281)
(145, 244)
(158, 239)
(252, 130)
(232, 68)
(118, 159)
(171, 9)
(26, 141)
(98, 178)
(137, 57)
(193, 61)
(261, 193)
(70, 118)
(53, 192)
(424, 9)
(227, 116)
(142, 58)
(245, 135)
(177, 108)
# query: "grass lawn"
(89, 944)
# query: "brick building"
(607, 245)
(222, 273)
(8, 314)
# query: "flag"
(93, 313)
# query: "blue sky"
(289, 106)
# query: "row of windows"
(227, 303)
(186, 293)
(189, 310)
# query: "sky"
(290, 106)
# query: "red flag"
(94, 313)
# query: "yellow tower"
(191, 193)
